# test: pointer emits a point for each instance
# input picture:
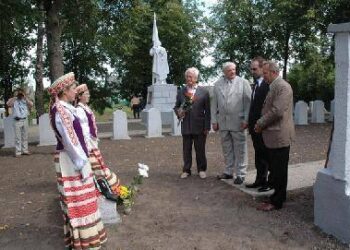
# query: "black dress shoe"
(253, 185)
(264, 189)
(224, 176)
(238, 180)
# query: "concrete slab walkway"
(299, 176)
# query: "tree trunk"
(39, 67)
(7, 92)
(286, 54)
(54, 28)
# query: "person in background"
(21, 106)
(229, 109)
(135, 106)
(192, 107)
(277, 128)
(83, 227)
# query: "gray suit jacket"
(277, 115)
(230, 103)
(198, 118)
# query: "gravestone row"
(120, 128)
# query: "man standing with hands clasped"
(260, 90)
(20, 105)
(229, 112)
(277, 128)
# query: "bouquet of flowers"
(186, 105)
(126, 194)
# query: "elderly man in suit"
(260, 90)
(229, 109)
(192, 107)
(277, 127)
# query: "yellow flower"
(124, 192)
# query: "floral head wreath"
(81, 88)
(59, 85)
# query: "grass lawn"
(107, 116)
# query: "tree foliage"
(290, 32)
(128, 40)
(15, 41)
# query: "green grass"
(107, 116)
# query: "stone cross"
(300, 113)
(46, 134)
(154, 123)
(317, 115)
(120, 125)
(9, 132)
(175, 126)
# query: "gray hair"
(227, 64)
(273, 66)
(193, 70)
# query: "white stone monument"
(9, 132)
(175, 126)
(332, 187)
(160, 95)
(120, 125)
(331, 113)
(46, 134)
(317, 115)
(300, 113)
(154, 123)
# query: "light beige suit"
(277, 115)
(229, 108)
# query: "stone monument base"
(163, 98)
(108, 211)
(166, 116)
(332, 205)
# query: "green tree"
(238, 32)
(83, 50)
(129, 34)
(16, 25)
(313, 79)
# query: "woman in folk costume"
(83, 228)
(88, 122)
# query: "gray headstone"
(317, 115)
(154, 123)
(175, 126)
(120, 125)
(300, 113)
(108, 211)
(9, 132)
(46, 134)
(2, 117)
(332, 187)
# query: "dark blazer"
(256, 104)
(197, 119)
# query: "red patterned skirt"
(83, 228)
(101, 170)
